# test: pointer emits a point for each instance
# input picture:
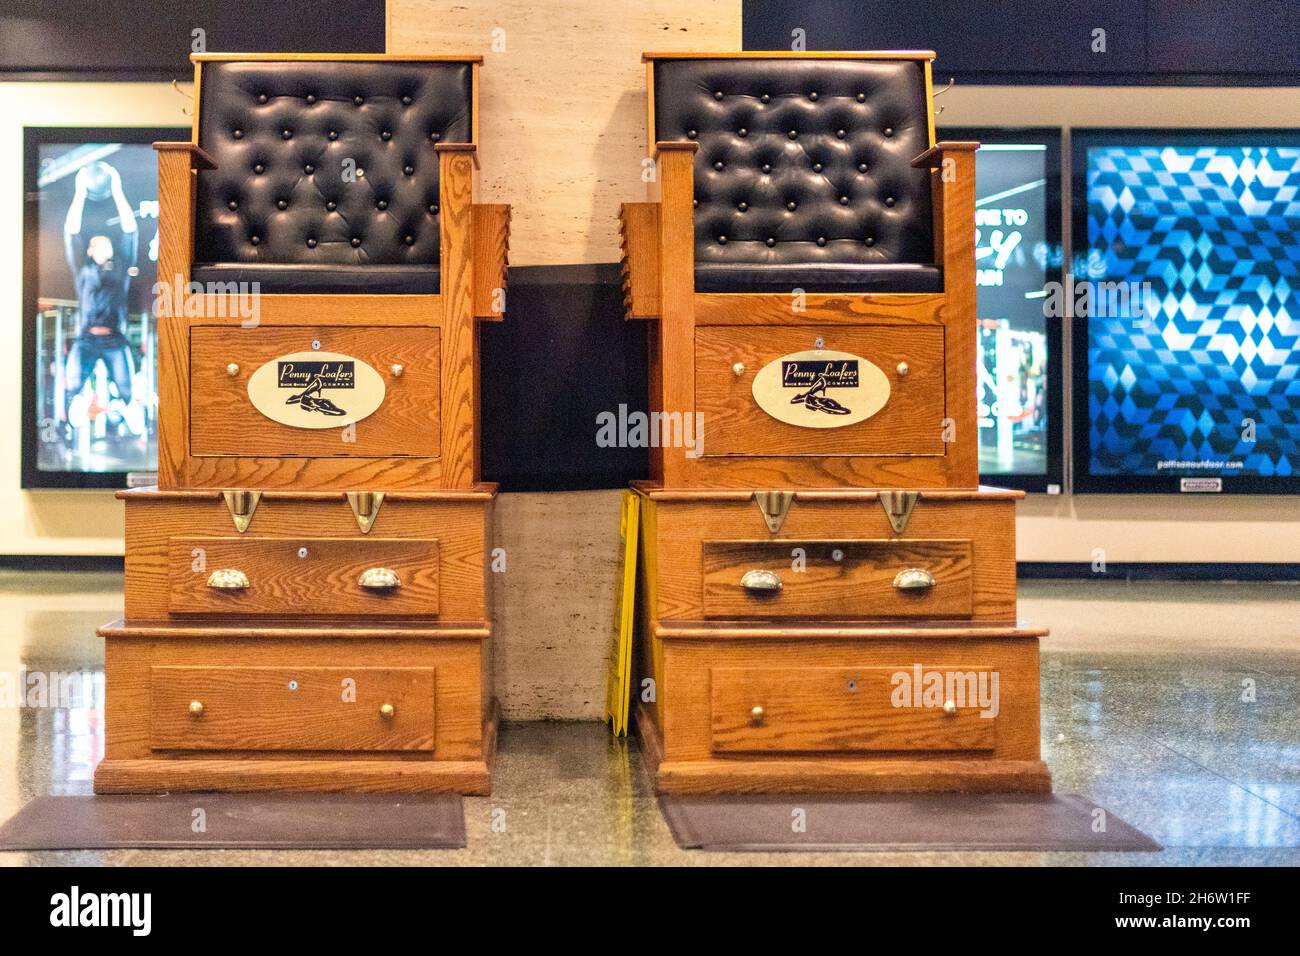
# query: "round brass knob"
(903, 370)
(738, 368)
(950, 708)
(756, 714)
(196, 708)
(387, 711)
(232, 369)
(398, 370)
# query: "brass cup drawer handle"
(913, 579)
(379, 579)
(228, 579)
(760, 581)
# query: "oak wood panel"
(297, 708)
(682, 525)
(491, 259)
(838, 578)
(315, 309)
(312, 576)
(225, 422)
(343, 474)
(460, 367)
(176, 190)
(835, 710)
(321, 775)
(687, 702)
(822, 308)
(675, 341)
(639, 245)
(130, 658)
(460, 526)
(910, 424)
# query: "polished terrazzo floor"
(1176, 706)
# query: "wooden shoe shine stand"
(791, 573)
(308, 609)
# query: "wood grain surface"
(224, 420)
(843, 578)
(299, 708)
(910, 424)
(305, 576)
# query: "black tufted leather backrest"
(326, 162)
(802, 160)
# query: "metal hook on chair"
(188, 111)
(938, 93)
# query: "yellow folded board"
(618, 687)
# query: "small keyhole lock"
(820, 343)
(837, 555)
(302, 552)
(853, 687)
(293, 685)
(315, 344)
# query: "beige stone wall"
(562, 103)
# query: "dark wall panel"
(154, 36)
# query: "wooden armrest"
(676, 146)
(639, 239)
(932, 158)
(491, 259)
(198, 158)
(449, 148)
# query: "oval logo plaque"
(820, 389)
(316, 390)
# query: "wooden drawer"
(289, 707)
(225, 421)
(346, 577)
(911, 422)
(851, 709)
(841, 578)
(437, 543)
(697, 547)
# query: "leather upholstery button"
(286, 134)
(718, 165)
(771, 242)
(238, 134)
(817, 167)
(309, 169)
(695, 203)
(844, 200)
(742, 132)
(357, 101)
(889, 201)
(331, 205)
(232, 205)
(743, 206)
(333, 134)
(433, 208)
(862, 97)
(765, 98)
(722, 240)
(813, 96)
(255, 239)
(311, 243)
(793, 134)
(259, 169)
(435, 137)
(767, 167)
(406, 101)
(282, 204)
(870, 241)
(840, 134)
(691, 134)
(717, 95)
(262, 97)
(311, 98)
(889, 131)
(821, 240)
(409, 170)
(382, 204)
(792, 206)
(862, 167)
(385, 136)
(409, 240)
(355, 242)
